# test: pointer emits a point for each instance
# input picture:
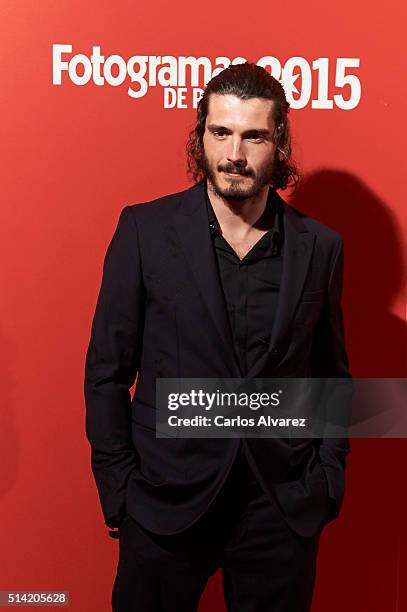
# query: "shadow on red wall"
(373, 275)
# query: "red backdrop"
(72, 156)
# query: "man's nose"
(236, 153)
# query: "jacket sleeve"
(330, 361)
(111, 365)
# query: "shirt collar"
(271, 217)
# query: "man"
(221, 280)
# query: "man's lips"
(234, 174)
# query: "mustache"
(241, 171)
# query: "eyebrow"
(213, 127)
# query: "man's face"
(238, 146)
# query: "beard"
(236, 190)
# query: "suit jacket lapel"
(298, 247)
(191, 224)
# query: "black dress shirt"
(251, 285)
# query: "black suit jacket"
(161, 313)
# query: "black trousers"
(266, 567)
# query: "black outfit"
(265, 566)
(169, 306)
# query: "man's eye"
(256, 138)
(219, 133)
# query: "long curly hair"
(246, 81)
